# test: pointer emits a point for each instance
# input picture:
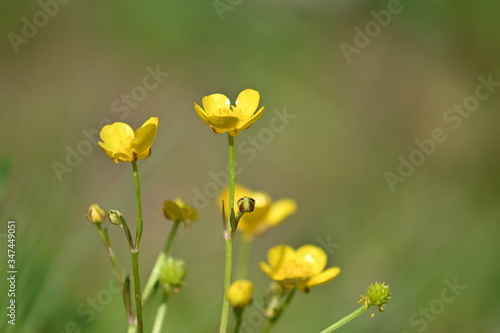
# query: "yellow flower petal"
(247, 102)
(280, 210)
(313, 257)
(279, 254)
(201, 113)
(266, 269)
(117, 136)
(216, 105)
(243, 125)
(324, 277)
(144, 137)
(222, 124)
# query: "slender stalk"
(238, 313)
(153, 278)
(160, 315)
(228, 237)
(134, 251)
(138, 231)
(114, 262)
(243, 256)
(116, 268)
(137, 287)
(344, 320)
(270, 323)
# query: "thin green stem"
(138, 231)
(238, 313)
(228, 237)
(116, 268)
(114, 262)
(161, 312)
(344, 320)
(135, 250)
(270, 323)
(153, 278)
(243, 256)
(137, 287)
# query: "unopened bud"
(96, 214)
(240, 293)
(172, 274)
(114, 217)
(246, 205)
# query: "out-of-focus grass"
(352, 122)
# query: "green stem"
(138, 231)
(114, 262)
(135, 250)
(270, 323)
(160, 315)
(137, 287)
(243, 256)
(153, 278)
(344, 320)
(116, 268)
(228, 237)
(238, 313)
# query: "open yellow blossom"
(301, 268)
(221, 116)
(266, 213)
(122, 144)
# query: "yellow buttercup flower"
(301, 268)
(178, 210)
(266, 213)
(221, 116)
(122, 144)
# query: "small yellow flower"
(266, 213)
(178, 210)
(122, 144)
(240, 293)
(221, 116)
(301, 268)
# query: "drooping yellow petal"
(280, 210)
(279, 254)
(324, 277)
(247, 102)
(243, 125)
(201, 113)
(222, 123)
(216, 105)
(313, 257)
(144, 137)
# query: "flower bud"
(172, 274)
(240, 293)
(96, 214)
(115, 217)
(246, 205)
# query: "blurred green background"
(353, 119)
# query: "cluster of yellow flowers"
(289, 268)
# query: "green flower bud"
(172, 274)
(246, 205)
(115, 217)
(96, 214)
